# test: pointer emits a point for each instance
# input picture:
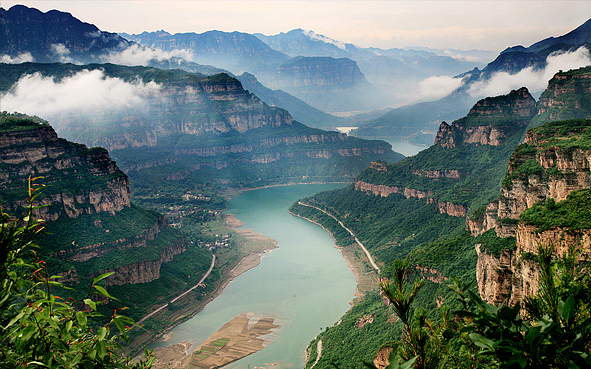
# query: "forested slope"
(420, 207)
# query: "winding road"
(371, 261)
(182, 294)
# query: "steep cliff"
(193, 122)
(490, 121)
(543, 200)
(95, 227)
(566, 97)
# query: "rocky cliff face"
(552, 163)
(566, 97)
(146, 270)
(490, 121)
(37, 151)
(84, 189)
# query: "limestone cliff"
(490, 121)
(88, 201)
(79, 180)
(543, 176)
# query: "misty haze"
(253, 184)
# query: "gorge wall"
(493, 125)
(87, 198)
(544, 173)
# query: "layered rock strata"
(552, 163)
(80, 183)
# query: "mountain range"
(538, 61)
(507, 172)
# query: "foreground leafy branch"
(552, 331)
(39, 329)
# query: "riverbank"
(367, 278)
(275, 222)
(252, 248)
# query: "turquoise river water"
(305, 282)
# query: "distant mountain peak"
(317, 37)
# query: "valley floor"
(363, 268)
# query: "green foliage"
(39, 329)
(494, 245)
(10, 122)
(564, 134)
(556, 330)
(573, 213)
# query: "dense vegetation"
(37, 327)
(574, 213)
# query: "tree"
(416, 340)
(552, 331)
(39, 329)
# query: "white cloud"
(435, 87)
(62, 52)
(141, 55)
(21, 58)
(315, 36)
(82, 92)
(535, 80)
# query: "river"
(305, 282)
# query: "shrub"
(40, 329)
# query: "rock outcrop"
(552, 164)
(385, 191)
(84, 190)
(490, 121)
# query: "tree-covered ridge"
(566, 97)
(19, 122)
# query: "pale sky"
(476, 24)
